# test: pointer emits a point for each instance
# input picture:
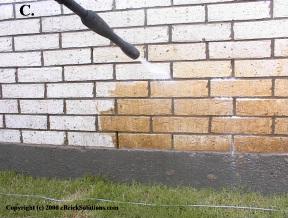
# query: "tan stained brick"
(202, 143)
(144, 106)
(195, 88)
(122, 89)
(180, 124)
(241, 125)
(150, 141)
(124, 123)
(262, 107)
(281, 126)
(281, 87)
(213, 106)
(202, 69)
(263, 144)
(232, 87)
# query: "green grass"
(92, 187)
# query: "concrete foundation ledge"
(253, 172)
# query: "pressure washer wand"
(94, 22)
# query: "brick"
(85, 123)
(262, 107)
(180, 124)
(90, 107)
(171, 15)
(23, 91)
(40, 9)
(202, 143)
(142, 35)
(7, 75)
(261, 144)
(281, 47)
(88, 72)
(195, 51)
(261, 68)
(281, 87)
(6, 12)
(92, 139)
(281, 126)
(200, 69)
(8, 106)
(1, 121)
(83, 39)
(140, 72)
(244, 49)
(188, 88)
(62, 57)
(15, 27)
(232, 87)
(20, 59)
(40, 74)
(36, 42)
(144, 106)
(42, 106)
(239, 11)
(147, 141)
(241, 125)
(254, 30)
(122, 89)
(62, 24)
(123, 4)
(213, 106)
(43, 137)
(124, 123)
(113, 54)
(280, 8)
(93, 5)
(5, 43)
(184, 2)
(201, 32)
(10, 136)
(26, 121)
(70, 90)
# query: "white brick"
(26, 121)
(113, 54)
(1, 121)
(40, 74)
(261, 29)
(139, 72)
(247, 49)
(7, 75)
(39, 9)
(123, 4)
(83, 39)
(5, 43)
(143, 35)
(281, 47)
(16, 27)
(9, 136)
(62, 57)
(94, 5)
(70, 90)
(89, 72)
(20, 59)
(195, 51)
(42, 106)
(90, 106)
(36, 42)
(176, 15)
(239, 11)
(92, 139)
(8, 106)
(43, 137)
(184, 2)
(280, 8)
(23, 91)
(86, 123)
(6, 12)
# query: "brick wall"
(222, 83)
